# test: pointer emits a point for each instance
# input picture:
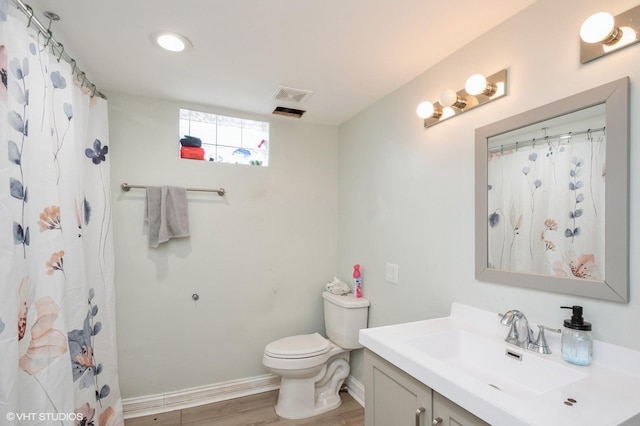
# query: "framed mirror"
(552, 197)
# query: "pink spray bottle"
(357, 281)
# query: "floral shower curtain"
(546, 207)
(57, 313)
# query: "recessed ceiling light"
(172, 42)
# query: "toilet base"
(302, 398)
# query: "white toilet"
(313, 368)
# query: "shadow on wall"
(180, 247)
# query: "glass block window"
(223, 139)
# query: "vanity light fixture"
(477, 91)
(603, 33)
(172, 42)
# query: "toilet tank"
(344, 317)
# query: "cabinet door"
(392, 397)
(446, 413)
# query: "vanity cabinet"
(447, 413)
(392, 397)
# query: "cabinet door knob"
(437, 421)
(419, 412)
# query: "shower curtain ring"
(49, 37)
(93, 90)
(30, 9)
(61, 51)
(73, 69)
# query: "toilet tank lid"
(348, 301)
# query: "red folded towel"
(192, 152)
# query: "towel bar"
(126, 187)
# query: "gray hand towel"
(167, 214)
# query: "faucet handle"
(541, 346)
(507, 319)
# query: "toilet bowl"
(311, 374)
(313, 368)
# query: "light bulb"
(448, 98)
(598, 28)
(425, 109)
(476, 84)
(172, 41)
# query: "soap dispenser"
(577, 342)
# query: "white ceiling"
(350, 53)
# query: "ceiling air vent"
(289, 94)
(288, 112)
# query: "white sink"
(464, 358)
(507, 368)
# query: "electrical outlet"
(391, 274)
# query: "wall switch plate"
(391, 274)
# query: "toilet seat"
(301, 346)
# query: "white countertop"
(607, 392)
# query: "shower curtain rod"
(126, 187)
(544, 139)
(56, 45)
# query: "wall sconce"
(603, 33)
(478, 90)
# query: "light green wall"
(258, 257)
(406, 194)
(378, 189)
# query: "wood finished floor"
(252, 410)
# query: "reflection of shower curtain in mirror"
(546, 208)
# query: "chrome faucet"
(520, 334)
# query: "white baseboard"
(355, 389)
(193, 397)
